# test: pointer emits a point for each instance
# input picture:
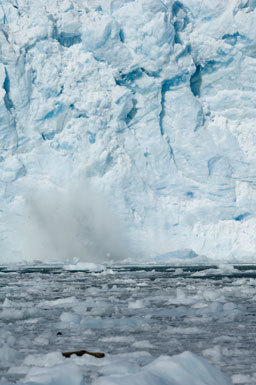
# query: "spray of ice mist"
(66, 223)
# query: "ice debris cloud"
(151, 102)
(72, 222)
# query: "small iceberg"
(84, 266)
(179, 256)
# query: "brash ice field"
(155, 324)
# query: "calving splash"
(69, 223)
(148, 102)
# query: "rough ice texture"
(182, 369)
(151, 102)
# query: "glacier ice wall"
(152, 102)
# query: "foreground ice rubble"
(147, 321)
(152, 102)
(183, 369)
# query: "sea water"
(131, 313)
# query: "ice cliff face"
(152, 102)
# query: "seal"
(80, 353)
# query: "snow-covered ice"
(151, 105)
(156, 325)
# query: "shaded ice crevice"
(66, 39)
(242, 216)
(19, 169)
(166, 86)
(9, 103)
(131, 114)
(180, 15)
(196, 81)
(57, 114)
(127, 79)
(6, 86)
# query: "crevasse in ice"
(151, 102)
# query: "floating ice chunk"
(143, 345)
(182, 298)
(183, 254)
(227, 268)
(229, 307)
(61, 302)
(8, 303)
(242, 379)
(223, 338)
(199, 305)
(87, 266)
(138, 304)
(182, 330)
(18, 371)
(119, 368)
(118, 339)
(70, 318)
(41, 341)
(15, 314)
(183, 369)
(8, 354)
(178, 271)
(44, 360)
(214, 353)
(186, 256)
(65, 374)
(141, 357)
